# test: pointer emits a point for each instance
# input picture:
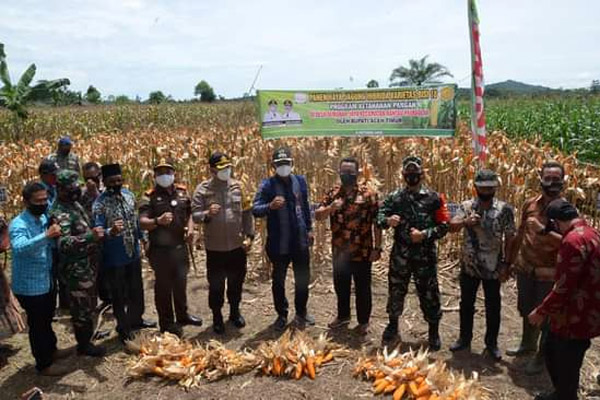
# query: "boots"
(236, 318)
(218, 325)
(435, 343)
(83, 335)
(529, 341)
(391, 331)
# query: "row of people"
(493, 246)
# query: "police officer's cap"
(109, 170)
(282, 154)
(165, 162)
(486, 178)
(415, 161)
(219, 161)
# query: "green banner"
(405, 111)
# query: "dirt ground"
(107, 378)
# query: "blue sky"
(133, 47)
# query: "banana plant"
(16, 97)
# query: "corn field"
(571, 124)
(189, 133)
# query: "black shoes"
(460, 345)
(390, 332)
(493, 352)
(145, 325)
(280, 323)
(237, 320)
(175, 329)
(191, 320)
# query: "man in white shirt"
(288, 115)
(272, 115)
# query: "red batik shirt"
(573, 305)
(352, 225)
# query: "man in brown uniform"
(535, 252)
(226, 216)
(165, 212)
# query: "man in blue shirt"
(283, 200)
(115, 211)
(31, 239)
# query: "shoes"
(362, 329)
(304, 320)
(546, 396)
(390, 333)
(460, 345)
(536, 365)
(493, 352)
(339, 322)
(92, 350)
(237, 320)
(145, 325)
(280, 323)
(54, 370)
(101, 334)
(191, 320)
(62, 353)
(529, 341)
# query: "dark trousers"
(127, 291)
(225, 267)
(344, 272)
(103, 286)
(170, 265)
(564, 358)
(301, 265)
(40, 310)
(468, 294)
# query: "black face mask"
(412, 179)
(115, 189)
(485, 197)
(552, 226)
(552, 189)
(348, 179)
(37, 209)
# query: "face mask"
(116, 189)
(284, 170)
(348, 179)
(165, 180)
(37, 209)
(224, 174)
(552, 189)
(412, 179)
(75, 194)
(485, 197)
(64, 152)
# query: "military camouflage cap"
(66, 177)
(412, 160)
(486, 178)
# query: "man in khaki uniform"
(165, 212)
(226, 216)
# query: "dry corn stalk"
(171, 358)
(411, 376)
(296, 354)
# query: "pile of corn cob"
(296, 354)
(411, 376)
(171, 358)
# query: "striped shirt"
(32, 255)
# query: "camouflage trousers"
(80, 277)
(424, 273)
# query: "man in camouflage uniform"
(166, 213)
(419, 217)
(63, 156)
(77, 259)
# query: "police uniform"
(426, 211)
(77, 261)
(168, 253)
